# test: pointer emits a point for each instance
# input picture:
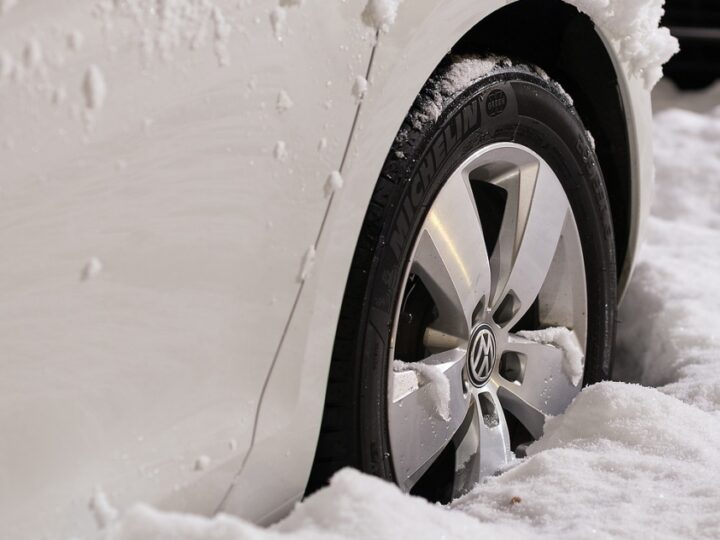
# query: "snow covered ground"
(625, 460)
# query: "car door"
(162, 168)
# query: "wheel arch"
(572, 52)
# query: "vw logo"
(481, 354)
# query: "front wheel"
(483, 288)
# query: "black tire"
(513, 104)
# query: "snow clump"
(360, 87)
(435, 377)
(564, 339)
(380, 14)
(635, 27)
(334, 183)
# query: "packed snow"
(625, 460)
(434, 377)
(565, 339)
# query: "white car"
(245, 244)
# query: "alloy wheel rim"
(459, 374)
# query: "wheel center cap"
(481, 354)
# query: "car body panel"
(152, 246)
(638, 112)
(290, 413)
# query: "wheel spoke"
(451, 257)
(467, 453)
(437, 340)
(424, 413)
(485, 443)
(535, 213)
(494, 437)
(542, 388)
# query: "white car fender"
(279, 462)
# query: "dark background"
(696, 23)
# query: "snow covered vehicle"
(245, 244)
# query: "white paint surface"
(167, 177)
